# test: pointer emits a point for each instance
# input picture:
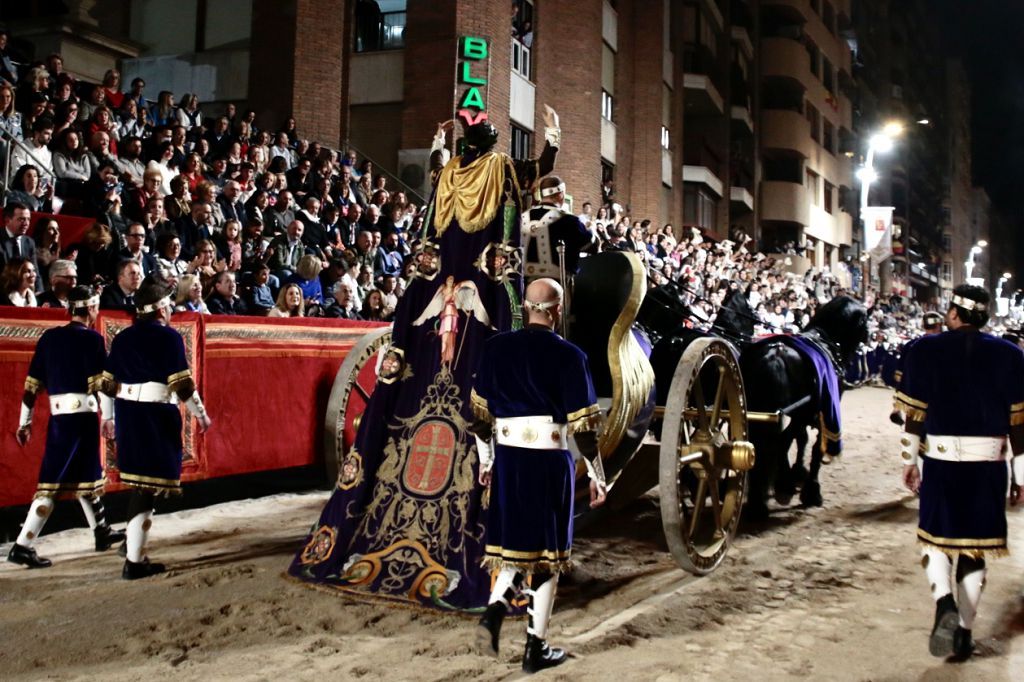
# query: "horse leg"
(810, 495)
(756, 506)
(785, 485)
(799, 470)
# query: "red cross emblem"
(430, 461)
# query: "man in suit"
(288, 249)
(135, 239)
(121, 296)
(14, 239)
(193, 228)
(230, 205)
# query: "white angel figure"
(449, 299)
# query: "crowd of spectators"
(240, 216)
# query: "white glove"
(909, 447)
(486, 454)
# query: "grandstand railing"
(413, 195)
(6, 149)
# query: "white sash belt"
(965, 448)
(149, 392)
(535, 433)
(72, 403)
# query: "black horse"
(777, 377)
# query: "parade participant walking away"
(931, 323)
(545, 227)
(68, 364)
(532, 391)
(148, 373)
(405, 523)
(962, 392)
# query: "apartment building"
(806, 128)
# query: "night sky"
(990, 36)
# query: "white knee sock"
(87, 510)
(542, 602)
(938, 568)
(34, 522)
(138, 533)
(969, 596)
(505, 587)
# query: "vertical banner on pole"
(878, 231)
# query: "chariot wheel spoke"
(716, 508)
(361, 391)
(698, 505)
(716, 410)
(702, 408)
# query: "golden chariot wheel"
(350, 394)
(705, 456)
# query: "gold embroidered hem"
(528, 567)
(96, 383)
(1016, 418)
(479, 405)
(53, 490)
(953, 553)
(975, 548)
(160, 486)
(1017, 407)
(471, 194)
(911, 402)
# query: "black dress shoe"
(142, 569)
(489, 629)
(26, 556)
(539, 655)
(107, 537)
(963, 645)
(947, 620)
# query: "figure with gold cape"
(405, 522)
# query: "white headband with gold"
(84, 303)
(968, 304)
(153, 307)
(552, 191)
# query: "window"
(828, 76)
(522, 39)
(814, 119)
(813, 56)
(829, 194)
(666, 139)
(381, 27)
(828, 140)
(811, 183)
(947, 271)
(699, 208)
(828, 15)
(607, 106)
(521, 59)
(520, 143)
(947, 241)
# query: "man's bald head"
(543, 302)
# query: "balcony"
(787, 132)
(377, 77)
(785, 202)
(742, 37)
(704, 176)
(702, 97)
(794, 11)
(831, 228)
(741, 117)
(742, 200)
(786, 58)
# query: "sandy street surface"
(830, 594)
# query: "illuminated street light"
(982, 243)
(969, 263)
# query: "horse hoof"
(755, 511)
(785, 496)
(810, 496)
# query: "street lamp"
(1002, 280)
(969, 263)
(881, 142)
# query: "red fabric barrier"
(265, 384)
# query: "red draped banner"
(265, 383)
